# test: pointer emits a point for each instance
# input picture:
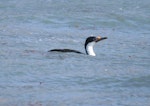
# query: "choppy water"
(118, 76)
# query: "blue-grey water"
(119, 75)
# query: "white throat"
(89, 49)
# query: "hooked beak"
(100, 38)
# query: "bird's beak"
(100, 38)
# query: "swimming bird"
(89, 43)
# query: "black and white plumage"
(89, 43)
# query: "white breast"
(90, 50)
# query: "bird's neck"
(90, 50)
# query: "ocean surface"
(119, 74)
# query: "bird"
(89, 44)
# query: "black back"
(88, 40)
(65, 50)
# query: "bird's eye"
(94, 39)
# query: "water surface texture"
(119, 75)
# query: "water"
(118, 76)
